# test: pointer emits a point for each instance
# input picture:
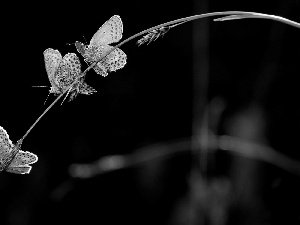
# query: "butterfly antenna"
(76, 41)
(84, 39)
(86, 62)
(47, 95)
(47, 98)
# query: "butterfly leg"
(66, 95)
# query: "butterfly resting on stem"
(110, 32)
(12, 158)
(62, 72)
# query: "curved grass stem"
(40, 117)
(228, 15)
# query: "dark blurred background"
(236, 78)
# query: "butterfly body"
(110, 32)
(12, 158)
(80, 47)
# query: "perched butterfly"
(12, 158)
(110, 32)
(63, 71)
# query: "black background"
(150, 100)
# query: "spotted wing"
(23, 158)
(110, 32)
(116, 60)
(73, 63)
(5, 142)
(6, 149)
(68, 70)
(112, 62)
(72, 72)
(52, 59)
(19, 170)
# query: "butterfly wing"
(72, 66)
(85, 89)
(72, 62)
(52, 59)
(12, 159)
(100, 69)
(5, 143)
(6, 149)
(112, 62)
(20, 163)
(23, 158)
(110, 32)
(82, 88)
(94, 53)
(4, 137)
(68, 70)
(116, 60)
(19, 170)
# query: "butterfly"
(110, 32)
(12, 158)
(63, 71)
